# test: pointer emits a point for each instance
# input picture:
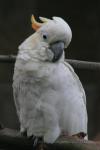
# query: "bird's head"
(49, 40)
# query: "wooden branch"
(75, 63)
(7, 58)
(84, 64)
(12, 139)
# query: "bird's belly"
(49, 100)
(38, 102)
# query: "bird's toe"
(37, 141)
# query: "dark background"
(84, 20)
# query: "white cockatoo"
(48, 95)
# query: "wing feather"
(16, 101)
(77, 80)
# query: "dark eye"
(44, 36)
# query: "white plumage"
(48, 95)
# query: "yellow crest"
(36, 25)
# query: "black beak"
(57, 48)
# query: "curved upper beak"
(57, 48)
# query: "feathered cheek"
(50, 54)
(46, 54)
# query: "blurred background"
(15, 26)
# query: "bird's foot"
(80, 135)
(38, 143)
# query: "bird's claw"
(35, 141)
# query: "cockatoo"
(48, 95)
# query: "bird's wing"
(15, 94)
(77, 80)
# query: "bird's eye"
(44, 36)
